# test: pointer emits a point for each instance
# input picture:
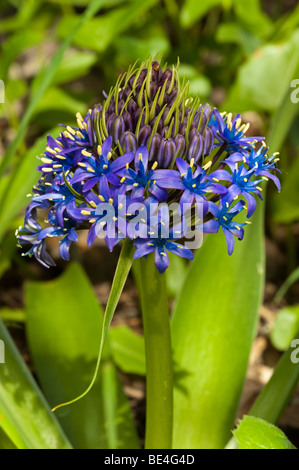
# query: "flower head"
(147, 143)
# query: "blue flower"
(158, 242)
(232, 133)
(94, 168)
(30, 235)
(258, 162)
(194, 184)
(224, 216)
(241, 183)
(140, 178)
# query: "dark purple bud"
(120, 106)
(128, 142)
(154, 148)
(117, 129)
(109, 122)
(208, 137)
(144, 134)
(195, 147)
(180, 145)
(129, 125)
(136, 116)
(153, 90)
(132, 107)
(166, 152)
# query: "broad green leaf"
(5, 442)
(25, 415)
(64, 323)
(236, 34)
(213, 327)
(105, 28)
(251, 14)
(175, 274)
(57, 99)
(255, 433)
(127, 349)
(285, 205)
(264, 78)
(193, 10)
(21, 181)
(75, 65)
(285, 327)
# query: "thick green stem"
(159, 380)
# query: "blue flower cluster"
(104, 176)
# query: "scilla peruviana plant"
(147, 146)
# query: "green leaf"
(255, 433)
(251, 14)
(64, 323)
(57, 99)
(193, 10)
(285, 327)
(25, 415)
(264, 78)
(236, 34)
(75, 65)
(213, 327)
(5, 442)
(105, 28)
(127, 349)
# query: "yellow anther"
(109, 155)
(47, 170)
(258, 187)
(191, 162)
(225, 218)
(115, 219)
(155, 164)
(46, 160)
(101, 198)
(110, 200)
(238, 123)
(193, 185)
(92, 203)
(57, 166)
(135, 184)
(79, 134)
(86, 153)
(207, 165)
(120, 205)
(48, 149)
(122, 179)
(99, 150)
(82, 164)
(216, 179)
(78, 116)
(140, 156)
(84, 212)
(90, 170)
(58, 149)
(92, 220)
(70, 130)
(105, 166)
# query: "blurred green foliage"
(56, 57)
